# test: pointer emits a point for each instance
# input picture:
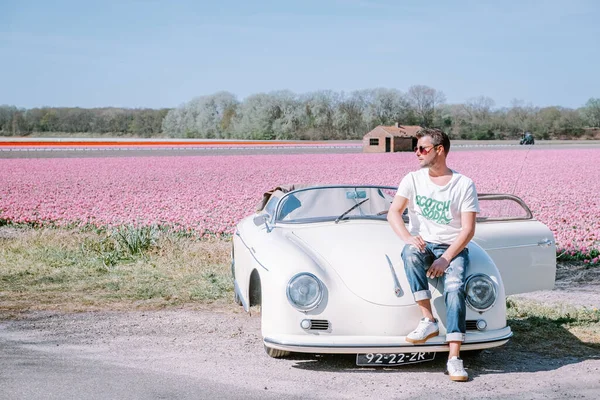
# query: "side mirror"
(262, 219)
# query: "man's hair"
(438, 137)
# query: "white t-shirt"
(434, 211)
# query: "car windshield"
(331, 203)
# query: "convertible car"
(324, 265)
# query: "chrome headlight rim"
(493, 285)
(313, 304)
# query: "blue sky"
(161, 54)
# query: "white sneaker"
(456, 370)
(425, 330)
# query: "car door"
(522, 248)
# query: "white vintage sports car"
(325, 267)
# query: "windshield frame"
(504, 196)
(274, 220)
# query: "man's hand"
(438, 268)
(416, 241)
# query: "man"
(442, 205)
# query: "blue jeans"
(416, 265)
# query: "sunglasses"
(424, 150)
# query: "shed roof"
(401, 130)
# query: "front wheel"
(276, 353)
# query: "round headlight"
(480, 292)
(305, 291)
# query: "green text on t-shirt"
(434, 210)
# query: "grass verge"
(76, 270)
(557, 330)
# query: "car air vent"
(319, 325)
(471, 324)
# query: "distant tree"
(205, 116)
(477, 121)
(19, 124)
(570, 124)
(211, 112)
(317, 115)
(138, 122)
(49, 122)
(79, 120)
(255, 118)
(446, 119)
(547, 122)
(33, 118)
(424, 101)
(479, 109)
(348, 117)
(519, 117)
(226, 124)
(120, 121)
(320, 109)
(6, 117)
(458, 119)
(290, 115)
(172, 124)
(591, 112)
(385, 107)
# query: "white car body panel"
(524, 251)
(362, 309)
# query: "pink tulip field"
(210, 194)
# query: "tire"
(255, 293)
(275, 353)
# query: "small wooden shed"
(386, 139)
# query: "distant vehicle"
(527, 139)
(325, 266)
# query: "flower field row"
(211, 193)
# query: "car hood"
(360, 253)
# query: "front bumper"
(331, 344)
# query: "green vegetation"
(75, 121)
(46, 268)
(556, 330)
(589, 256)
(321, 115)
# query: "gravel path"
(347, 147)
(217, 352)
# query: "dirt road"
(217, 352)
(343, 147)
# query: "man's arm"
(394, 217)
(467, 232)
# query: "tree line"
(321, 115)
(73, 120)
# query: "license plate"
(390, 359)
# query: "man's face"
(426, 152)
